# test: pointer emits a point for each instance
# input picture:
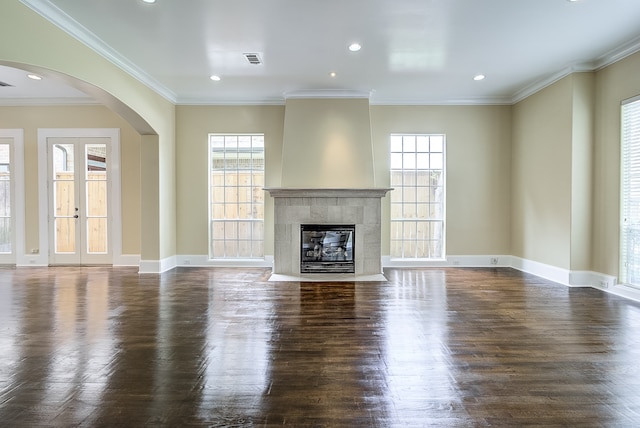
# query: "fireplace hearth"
(327, 248)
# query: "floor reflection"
(226, 347)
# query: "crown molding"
(44, 102)
(617, 54)
(540, 84)
(445, 102)
(327, 93)
(234, 102)
(56, 16)
(76, 30)
(611, 57)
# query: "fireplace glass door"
(327, 248)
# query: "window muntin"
(418, 199)
(630, 194)
(236, 209)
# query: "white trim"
(495, 260)
(36, 102)
(18, 206)
(327, 93)
(67, 24)
(127, 260)
(202, 260)
(625, 291)
(552, 273)
(53, 14)
(43, 194)
(157, 266)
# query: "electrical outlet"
(35, 251)
(456, 262)
(604, 284)
(493, 260)
(187, 262)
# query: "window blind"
(630, 194)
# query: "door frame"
(43, 186)
(17, 255)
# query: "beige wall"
(478, 162)
(193, 125)
(520, 178)
(582, 183)
(553, 132)
(95, 116)
(327, 143)
(478, 155)
(40, 46)
(541, 176)
(614, 84)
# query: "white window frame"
(630, 192)
(407, 161)
(17, 255)
(256, 219)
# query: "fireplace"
(327, 248)
(354, 207)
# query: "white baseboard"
(450, 261)
(569, 278)
(127, 260)
(157, 266)
(32, 260)
(204, 261)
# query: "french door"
(79, 180)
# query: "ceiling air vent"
(253, 58)
(4, 84)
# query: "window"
(417, 201)
(630, 197)
(236, 216)
(6, 220)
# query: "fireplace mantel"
(294, 192)
(358, 206)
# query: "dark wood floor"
(224, 347)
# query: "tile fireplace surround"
(295, 206)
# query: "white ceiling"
(413, 51)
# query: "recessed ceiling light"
(149, 1)
(332, 74)
(355, 47)
(34, 77)
(214, 78)
(479, 77)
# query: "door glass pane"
(64, 198)
(97, 198)
(5, 235)
(63, 161)
(65, 235)
(97, 235)
(96, 167)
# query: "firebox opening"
(327, 248)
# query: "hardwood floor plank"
(92, 346)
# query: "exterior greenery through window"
(418, 198)
(236, 209)
(630, 197)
